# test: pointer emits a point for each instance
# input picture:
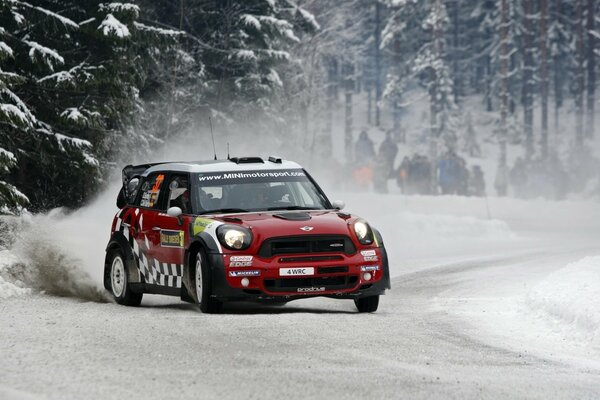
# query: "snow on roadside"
(10, 288)
(569, 298)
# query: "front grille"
(331, 270)
(328, 283)
(306, 244)
(310, 259)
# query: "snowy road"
(415, 346)
(448, 329)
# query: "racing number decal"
(159, 181)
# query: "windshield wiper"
(224, 210)
(290, 208)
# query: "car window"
(179, 193)
(151, 190)
(256, 191)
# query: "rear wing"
(130, 172)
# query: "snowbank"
(8, 287)
(570, 297)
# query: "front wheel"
(119, 284)
(203, 286)
(367, 304)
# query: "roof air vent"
(247, 160)
(276, 160)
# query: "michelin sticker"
(171, 238)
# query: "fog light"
(367, 276)
(245, 282)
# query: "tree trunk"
(369, 104)
(503, 81)
(349, 90)
(558, 75)
(591, 69)
(579, 74)
(396, 100)
(544, 74)
(377, 63)
(527, 93)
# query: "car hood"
(293, 223)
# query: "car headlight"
(234, 237)
(363, 231)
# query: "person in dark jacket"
(364, 150)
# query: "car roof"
(221, 166)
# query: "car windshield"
(231, 192)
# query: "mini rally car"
(238, 229)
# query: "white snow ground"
(495, 300)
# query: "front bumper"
(341, 279)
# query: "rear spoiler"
(130, 172)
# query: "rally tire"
(367, 304)
(119, 282)
(203, 285)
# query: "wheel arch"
(201, 242)
(119, 242)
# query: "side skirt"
(155, 289)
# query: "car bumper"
(270, 286)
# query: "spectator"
(364, 150)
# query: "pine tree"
(74, 71)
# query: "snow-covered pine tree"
(75, 68)
(231, 58)
(430, 63)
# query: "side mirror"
(175, 212)
(338, 205)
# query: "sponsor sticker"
(244, 273)
(200, 224)
(296, 271)
(369, 255)
(310, 289)
(366, 268)
(171, 238)
(241, 258)
(240, 261)
(290, 175)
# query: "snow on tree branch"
(65, 21)
(45, 53)
(113, 27)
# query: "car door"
(146, 228)
(165, 235)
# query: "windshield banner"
(253, 176)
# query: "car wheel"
(367, 304)
(119, 284)
(203, 286)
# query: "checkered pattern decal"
(152, 271)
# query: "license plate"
(296, 271)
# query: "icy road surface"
(479, 308)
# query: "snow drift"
(569, 299)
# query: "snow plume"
(57, 253)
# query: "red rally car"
(238, 229)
